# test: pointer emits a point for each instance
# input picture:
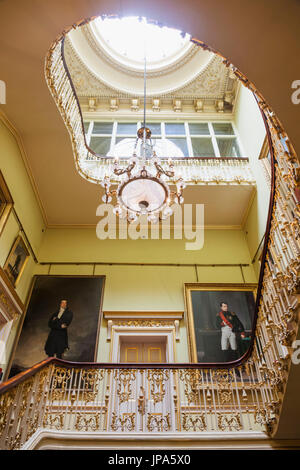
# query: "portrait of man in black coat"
(57, 341)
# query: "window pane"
(181, 145)
(223, 128)
(100, 145)
(228, 148)
(86, 126)
(170, 148)
(202, 147)
(158, 147)
(123, 147)
(154, 127)
(174, 128)
(127, 128)
(200, 128)
(149, 149)
(102, 128)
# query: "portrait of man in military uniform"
(230, 326)
(220, 321)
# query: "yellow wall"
(25, 204)
(145, 288)
(252, 132)
(27, 208)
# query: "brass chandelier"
(143, 187)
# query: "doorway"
(147, 349)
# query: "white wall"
(252, 132)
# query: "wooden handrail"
(22, 376)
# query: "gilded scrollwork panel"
(125, 379)
(194, 422)
(158, 422)
(124, 422)
(157, 379)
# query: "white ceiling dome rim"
(92, 32)
(77, 43)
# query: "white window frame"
(164, 137)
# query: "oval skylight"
(128, 39)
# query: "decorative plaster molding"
(95, 46)
(212, 82)
(143, 315)
(146, 320)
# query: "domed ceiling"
(106, 62)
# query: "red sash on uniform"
(225, 321)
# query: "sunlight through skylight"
(131, 38)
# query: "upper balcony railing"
(193, 170)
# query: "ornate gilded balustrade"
(114, 399)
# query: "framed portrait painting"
(220, 320)
(16, 260)
(6, 202)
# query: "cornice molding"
(214, 76)
(93, 43)
(126, 316)
(8, 124)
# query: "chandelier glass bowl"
(143, 189)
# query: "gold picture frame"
(222, 291)
(16, 260)
(6, 202)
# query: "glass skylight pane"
(174, 128)
(100, 145)
(102, 128)
(228, 148)
(202, 147)
(199, 128)
(127, 128)
(128, 37)
(223, 128)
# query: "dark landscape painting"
(84, 295)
